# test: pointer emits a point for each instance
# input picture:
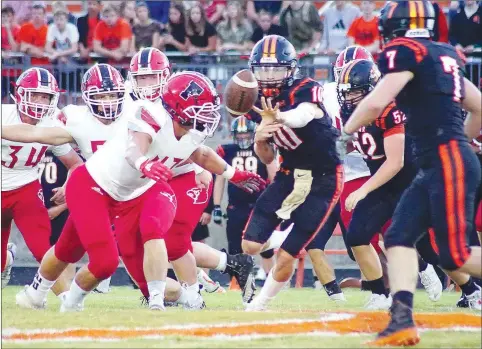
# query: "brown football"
(241, 93)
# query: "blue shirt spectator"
(159, 10)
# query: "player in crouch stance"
(426, 80)
(36, 97)
(310, 180)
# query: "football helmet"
(243, 130)
(274, 63)
(360, 76)
(36, 80)
(191, 99)
(149, 61)
(98, 82)
(413, 19)
(349, 54)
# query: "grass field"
(302, 318)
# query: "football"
(241, 93)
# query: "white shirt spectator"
(62, 40)
(336, 23)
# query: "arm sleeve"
(98, 32)
(60, 150)
(352, 30)
(126, 32)
(401, 56)
(391, 121)
(302, 115)
(144, 122)
(23, 34)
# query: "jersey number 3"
(32, 160)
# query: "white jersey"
(111, 171)
(20, 160)
(354, 165)
(89, 132)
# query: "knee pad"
(103, 259)
(267, 254)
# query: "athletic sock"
(332, 287)
(223, 259)
(76, 294)
(156, 287)
(422, 265)
(40, 287)
(271, 287)
(469, 287)
(377, 286)
(404, 297)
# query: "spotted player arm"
(265, 151)
(272, 168)
(301, 115)
(394, 146)
(31, 134)
(208, 159)
(373, 104)
(137, 147)
(472, 104)
(218, 191)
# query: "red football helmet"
(98, 85)
(349, 54)
(149, 61)
(36, 80)
(192, 100)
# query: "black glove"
(217, 214)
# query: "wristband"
(140, 161)
(228, 172)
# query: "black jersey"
(53, 174)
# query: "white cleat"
(6, 274)
(260, 275)
(258, 304)
(24, 300)
(474, 300)
(70, 308)
(103, 287)
(208, 284)
(156, 302)
(338, 297)
(317, 285)
(379, 302)
(431, 283)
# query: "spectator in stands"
(146, 32)
(62, 37)
(61, 6)
(112, 35)
(22, 9)
(86, 26)
(9, 30)
(201, 36)
(174, 37)
(364, 30)
(159, 11)
(266, 27)
(214, 10)
(33, 36)
(234, 33)
(440, 29)
(128, 12)
(304, 25)
(254, 8)
(336, 23)
(465, 27)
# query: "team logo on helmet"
(198, 195)
(193, 89)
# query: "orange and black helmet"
(406, 18)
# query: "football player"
(308, 185)
(240, 154)
(36, 96)
(426, 80)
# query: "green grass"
(121, 307)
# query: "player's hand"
(268, 113)
(156, 170)
(217, 214)
(203, 179)
(353, 199)
(55, 211)
(265, 131)
(342, 142)
(205, 218)
(59, 196)
(248, 181)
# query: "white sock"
(183, 298)
(39, 287)
(156, 287)
(277, 238)
(103, 286)
(223, 259)
(63, 295)
(193, 288)
(76, 294)
(271, 287)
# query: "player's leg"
(321, 266)
(7, 257)
(309, 218)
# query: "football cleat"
(65, 307)
(249, 289)
(156, 302)
(24, 300)
(260, 275)
(378, 302)
(6, 274)
(431, 283)
(401, 331)
(241, 266)
(258, 304)
(474, 300)
(103, 286)
(338, 297)
(208, 284)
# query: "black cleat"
(241, 267)
(463, 302)
(401, 331)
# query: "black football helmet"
(274, 63)
(406, 18)
(243, 130)
(357, 79)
